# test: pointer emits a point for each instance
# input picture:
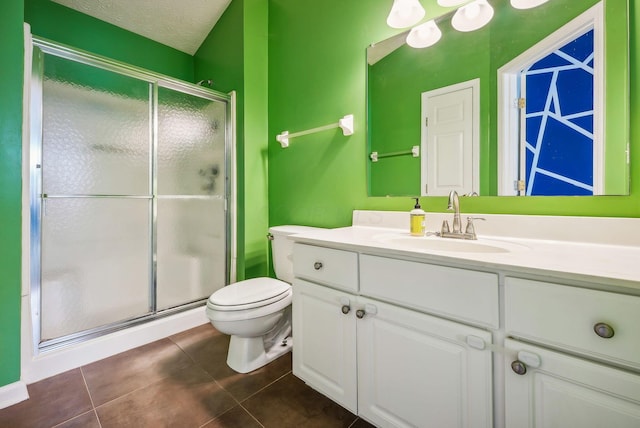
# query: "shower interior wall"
(246, 22)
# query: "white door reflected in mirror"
(450, 139)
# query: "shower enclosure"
(129, 191)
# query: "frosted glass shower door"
(128, 195)
(96, 200)
(191, 213)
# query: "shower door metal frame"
(38, 198)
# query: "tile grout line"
(239, 403)
(354, 422)
(76, 417)
(258, 391)
(195, 363)
(222, 386)
(93, 408)
(263, 388)
(136, 390)
(93, 405)
(227, 411)
(251, 414)
(84, 380)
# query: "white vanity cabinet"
(394, 366)
(416, 370)
(536, 325)
(324, 345)
(556, 390)
(561, 387)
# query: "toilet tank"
(281, 248)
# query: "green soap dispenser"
(417, 219)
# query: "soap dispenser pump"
(417, 220)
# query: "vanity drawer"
(328, 266)
(565, 317)
(458, 293)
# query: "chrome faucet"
(456, 231)
(454, 204)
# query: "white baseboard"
(13, 394)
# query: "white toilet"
(257, 312)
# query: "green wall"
(255, 189)
(11, 77)
(317, 74)
(234, 57)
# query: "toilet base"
(247, 354)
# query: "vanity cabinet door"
(415, 370)
(567, 391)
(324, 341)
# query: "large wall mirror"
(534, 103)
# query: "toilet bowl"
(256, 313)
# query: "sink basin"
(448, 244)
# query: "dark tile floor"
(179, 381)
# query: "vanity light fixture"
(469, 17)
(424, 35)
(472, 16)
(526, 4)
(405, 13)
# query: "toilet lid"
(250, 293)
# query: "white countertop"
(601, 264)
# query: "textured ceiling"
(181, 24)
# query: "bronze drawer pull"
(604, 330)
(518, 367)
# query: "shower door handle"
(44, 204)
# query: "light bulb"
(472, 11)
(527, 4)
(405, 13)
(424, 35)
(450, 3)
(472, 16)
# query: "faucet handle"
(445, 227)
(475, 218)
(470, 227)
